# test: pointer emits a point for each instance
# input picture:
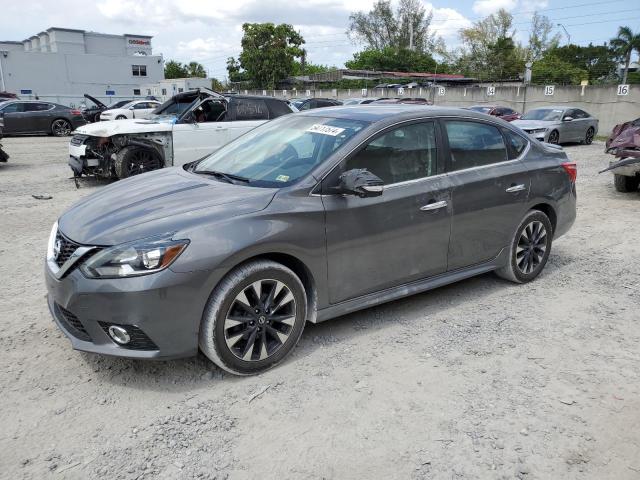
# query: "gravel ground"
(481, 379)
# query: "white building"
(65, 64)
(167, 88)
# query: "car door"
(570, 128)
(583, 122)
(403, 235)
(490, 186)
(245, 115)
(12, 117)
(203, 130)
(36, 116)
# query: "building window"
(139, 70)
(136, 91)
(180, 90)
(164, 91)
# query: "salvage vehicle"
(305, 218)
(188, 126)
(624, 144)
(134, 109)
(92, 113)
(35, 116)
(559, 125)
(505, 113)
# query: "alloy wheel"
(589, 138)
(554, 137)
(531, 247)
(61, 128)
(260, 320)
(141, 161)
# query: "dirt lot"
(482, 379)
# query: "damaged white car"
(185, 128)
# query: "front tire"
(554, 137)
(529, 249)
(625, 184)
(135, 160)
(588, 139)
(254, 318)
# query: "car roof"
(375, 113)
(554, 107)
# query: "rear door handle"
(434, 206)
(516, 188)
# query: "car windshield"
(282, 151)
(548, 114)
(298, 103)
(119, 104)
(175, 106)
(481, 109)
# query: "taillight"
(572, 170)
(76, 112)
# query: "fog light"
(119, 335)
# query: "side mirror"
(567, 119)
(131, 108)
(360, 182)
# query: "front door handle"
(516, 188)
(434, 206)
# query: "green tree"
(310, 68)
(406, 28)
(624, 44)
(217, 85)
(392, 59)
(540, 37)
(173, 69)
(268, 54)
(553, 70)
(597, 60)
(194, 69)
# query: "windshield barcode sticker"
(325, 130)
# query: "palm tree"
(624, 44)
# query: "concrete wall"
(603, 102)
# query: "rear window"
(474, 144)
(249, 109)
(278, 108)
(515, 144)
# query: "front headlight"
(539, 130)
(52, 241)
(141, 257)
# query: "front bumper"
(542, 136)
(162, 311)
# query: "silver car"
(559, 124)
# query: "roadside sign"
(491, 91)
(28, 91)
(549, 89)
(441, 91)
(623, 89)
(400, 91)
(110, 92)
(364, 92)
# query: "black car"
(92, 113)
(309, 103)
(35, 116)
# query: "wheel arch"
(55, 119)
(549, 211)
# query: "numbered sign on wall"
(284, 93)
(491, 91)
(623, 89)
(549, 89)
(441, 91)
(401, 91)
(364, 92)
(308, 93)
(264, 93)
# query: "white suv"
(185, 128)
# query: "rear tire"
(60, 127)
(246, 332)
(625, 184)
(588, 139)
(529, 248)
(135, 160)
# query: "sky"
(209, 31)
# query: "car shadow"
(194, 374)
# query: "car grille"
(78, 140)
(139, 339)
(72, 324)
(67, 247)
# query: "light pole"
(566, 32)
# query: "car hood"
(531, 124)
(98, 103)
(119, 127)
(164, 201)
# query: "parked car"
(305, 218)
(505, 113)
(92, 113)
(624, 143)
(36, 116)
(403, 100)
(4, 156)
(309, 103)
(188, 126)
(559, 124)
(133, 109)
(359, 101)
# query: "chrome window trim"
(444, 174)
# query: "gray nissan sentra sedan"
(308, 217)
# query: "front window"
(139, 70)
(546, 114)
(280, 152)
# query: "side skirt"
(407, 289)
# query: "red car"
(505, 113)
